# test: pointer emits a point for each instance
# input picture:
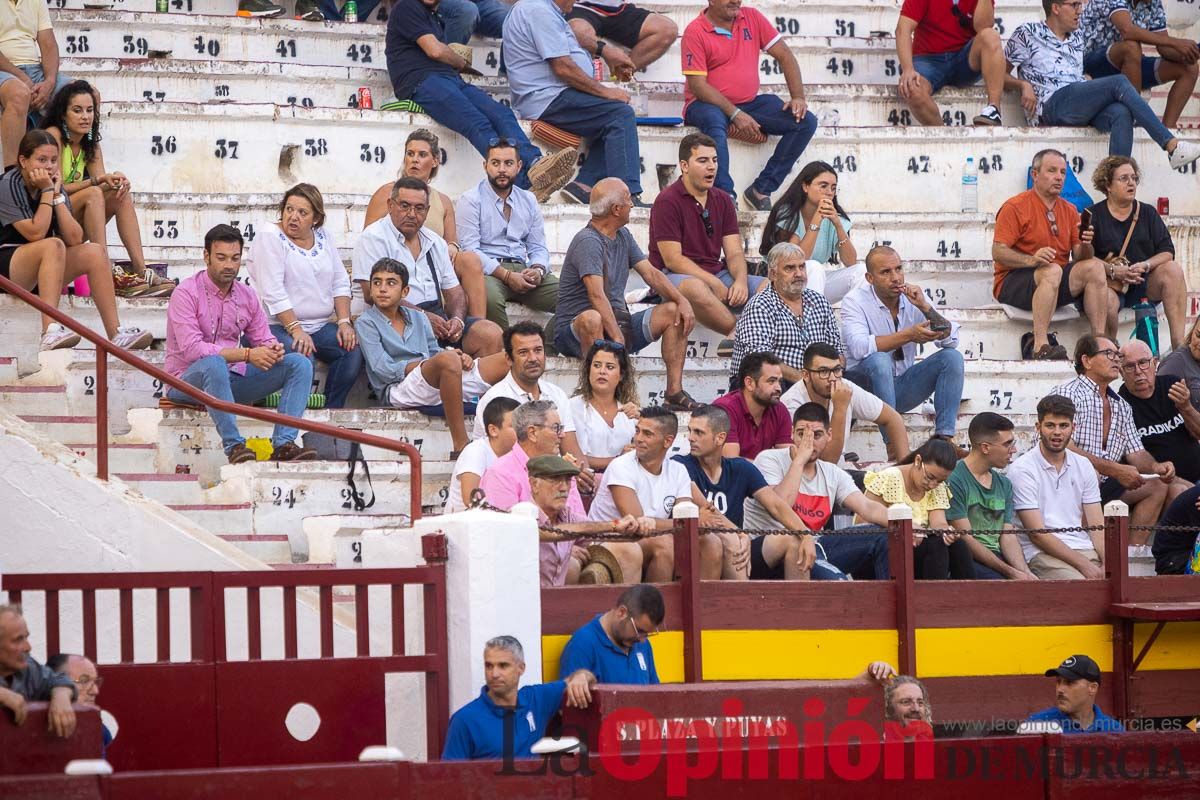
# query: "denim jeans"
(470, 111)
(344, 365)
(459, 18)
(291, 375)
(1107, 104)
(610, 131)
(492, 14)
(941, 375)
(861, 551)
(775, 120)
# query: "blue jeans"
(610, 131)
(470, 111)
(460, 18)
(768, 110)
(35, 73)
(344, 365)
(941, 375)
(861, 551)
(292, 376)
(492, 14)
(1107, 104)
(948, 69)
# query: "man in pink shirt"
(207, 317)
(720, 62)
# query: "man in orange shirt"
(1043, 260)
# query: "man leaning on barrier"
(615, 645)
(1075, 710)
(24, 680)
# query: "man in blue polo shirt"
(504, 721)
(1075, 709)
(614, 646)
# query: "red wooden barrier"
(30, 748)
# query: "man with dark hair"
(1077, 680)
(645, 483)
(614, 646)
(1175, 551)
(1106, 435)
(786, 316)
(434, 287)
(208, 317)
(550, 79)
(1167, 422)
(885, 320)
(720, 55)
(1048, 57)
(1043, 261)
(424, 68)
(1055, 487)
(821, 382)
(758, 421)
(501, 223)
(694, 238)
(813, 488)
(480, 454)
(24, 680)
(981, 499)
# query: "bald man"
(23, 680)
(1166, 420)
(591, 294)
(86, 677)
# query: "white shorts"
(414, 391)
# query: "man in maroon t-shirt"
(691, 227)
(757, 420)
(949, 43)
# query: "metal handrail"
(104, 348)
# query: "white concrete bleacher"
(212, 117)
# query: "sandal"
(681, 401)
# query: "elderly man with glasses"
(1167, 422)
(1106, 435)
(614, 646)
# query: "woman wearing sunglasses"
(605, 405)
(919, 482)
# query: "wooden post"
(1116, 570)
(687, 567)
(900, 564)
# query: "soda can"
(350, 11)
(364, 98)
(1164, 206)
(598, 69)
(162, 6)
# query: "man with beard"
(1054, 487)
(502, 224)
(1167, 422)
(885, 321)
(758, 421)
(1077, 680)
(785, 317)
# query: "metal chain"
(479, 501)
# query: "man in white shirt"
(1054, 487)
(821, 382)
(433, 286)
(646, 483)
(482, 453)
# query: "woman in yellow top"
(96, 194)
(919, 482)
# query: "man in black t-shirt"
(1166, 420)
(425, 70)
(1173, 549)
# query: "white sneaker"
(133, 339)
(1184, 154)
(57, 337)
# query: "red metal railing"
(104, 348)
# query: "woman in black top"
(1153, 272)
(42, 247)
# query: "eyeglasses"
(1112, 355)
(404, 207)
(1053, 222)
(1010, 444)
(1134, 179)
(708, 226)
(1071, 5)
(825, 373)
(86, 680)
(1141, 365)
(641, 637)
(557, 428)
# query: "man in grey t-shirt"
(591, 293)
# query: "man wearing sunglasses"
(1105, 434)
(1167, 422)
(949, 43)
(615, 645)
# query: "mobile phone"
(1085, 220)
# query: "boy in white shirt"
(482, 453)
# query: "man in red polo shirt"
(720, 63)
(949, 43)
(757, 420)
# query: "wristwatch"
(600, 43)
(814, 227)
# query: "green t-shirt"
(986, 509)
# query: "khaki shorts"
(1049, 568)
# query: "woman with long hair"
(809, 215)
(97, 195)
(422, 159)
(605, 405)
(42, 246)
(305, 289)
(919, 482)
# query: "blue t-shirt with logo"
(1102, 723)
(477, 729)
(590, 648)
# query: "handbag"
(1119, 260)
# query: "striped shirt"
(768, 325)
(1089, 420)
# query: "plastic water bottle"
(970, 186)
(1145, 325)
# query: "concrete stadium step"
(22, 399)
(268, 549)
(8, 369)
(327, 535)
(866, 442)
(63, 427)
(166, 488)
(244, 149)
(217, 516)
(122, 457)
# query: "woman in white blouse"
(605, 405)
(305, 288)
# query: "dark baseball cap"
(1076, 667)
(551, 467)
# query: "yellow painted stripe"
(668, 655)
(950, 652)
(791, 655)
(1177, 647)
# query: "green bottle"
(350, 11)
